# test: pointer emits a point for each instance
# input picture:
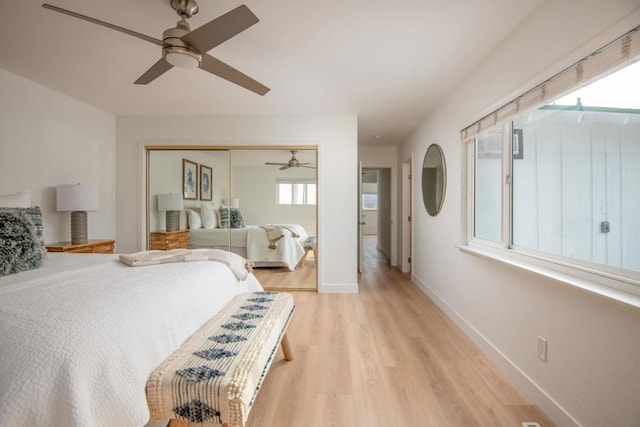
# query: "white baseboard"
(545, 402)
(338, 288)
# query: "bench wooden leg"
(286, 348)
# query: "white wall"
(46, 139)
(165, 176)
(384, 211)
(592, 376)
(335, 136)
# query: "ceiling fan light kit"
(177, 52)
(184, 48)
(181, 57)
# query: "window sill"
(579, 280)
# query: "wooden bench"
(215, 376)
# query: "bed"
(223, 227)
(251, 242)
(81, 334)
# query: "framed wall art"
(206, 183)
(189, 180)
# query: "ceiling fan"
(292, 163)
(184, 48)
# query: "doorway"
(376, 209)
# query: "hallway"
(372, 257)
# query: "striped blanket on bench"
(215, 376)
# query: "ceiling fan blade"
(310, 167)
(227, 72)
(154, 72)
(276, 164)
(285, 167)
(104, 24)
(221, 29)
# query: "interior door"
(407, 204)
(361, 222)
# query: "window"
(488, 172)
(369, 201)
(296, 191)
(554, 176)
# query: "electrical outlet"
(530, 424)
(542, 348)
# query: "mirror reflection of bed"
(261, 205)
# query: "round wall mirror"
(434, 179)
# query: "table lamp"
(78, 199)
(172, 205)
(232, 203)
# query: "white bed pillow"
(193, 219)
(209, 215)
(16, 200)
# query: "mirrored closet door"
(259, 203)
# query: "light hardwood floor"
(387, 356)
(303, 278)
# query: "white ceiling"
(389, 62)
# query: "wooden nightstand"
(165, 240)
(91, 247)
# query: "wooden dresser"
(165, 240)
(91, 247)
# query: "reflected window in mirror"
(369, 201)
(296, 191)
(434, 179)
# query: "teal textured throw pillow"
(231, 217)
(224, 217)
(237, 221)
(21, 248)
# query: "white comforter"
(288, 250)
(80, 336)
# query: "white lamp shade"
(170, 202)
(76, 197)
(232, 203)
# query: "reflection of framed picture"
(189, 180)
(206, 183)
(517, 144)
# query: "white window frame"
(611, 282)
(305, 182)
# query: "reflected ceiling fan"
(292, 163)
(184, 48)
